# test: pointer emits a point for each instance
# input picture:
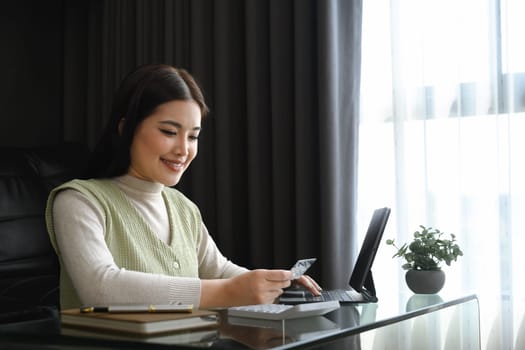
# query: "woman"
(123, 235)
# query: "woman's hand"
(252, 287)
(310, 284)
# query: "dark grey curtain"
(276, 173)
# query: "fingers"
(263, 286)
(273, 280)
(266, 285)
(278, 275)
(282, 279)
(277, 280)
(310, 284)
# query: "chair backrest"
(29, 268)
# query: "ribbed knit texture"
(130, 239)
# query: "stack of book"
(148, 326)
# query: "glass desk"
(410, 321)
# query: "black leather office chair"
(29, 269)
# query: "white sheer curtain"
(442, 137)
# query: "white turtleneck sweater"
(79, 229)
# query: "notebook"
(361, 287)
(145, 323)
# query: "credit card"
(301, 266)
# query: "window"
(441, 135)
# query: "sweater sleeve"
(79, 230)
(212, 264)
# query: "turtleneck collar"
(137, 185)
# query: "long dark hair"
(139, 94)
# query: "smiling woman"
(150, 90)
(166, 142)
(124, 235)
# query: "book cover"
(142, 322)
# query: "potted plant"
(424, 257)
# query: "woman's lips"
(174, 165)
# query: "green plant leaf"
(428, 249)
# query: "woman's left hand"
(310, 284)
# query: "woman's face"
(166, 142)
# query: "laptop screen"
(361, 279)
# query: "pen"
(138, 308)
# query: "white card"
(301, 266)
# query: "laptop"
(361, 287)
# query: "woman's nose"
(181, 146)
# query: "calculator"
(283, 311)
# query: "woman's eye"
(168, 132)
(194, 138)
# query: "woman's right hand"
(253, 287)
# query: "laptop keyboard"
(340, 295)
(336, 294)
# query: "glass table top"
(401, 319)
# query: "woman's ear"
(121, 125)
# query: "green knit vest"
(130, 239)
